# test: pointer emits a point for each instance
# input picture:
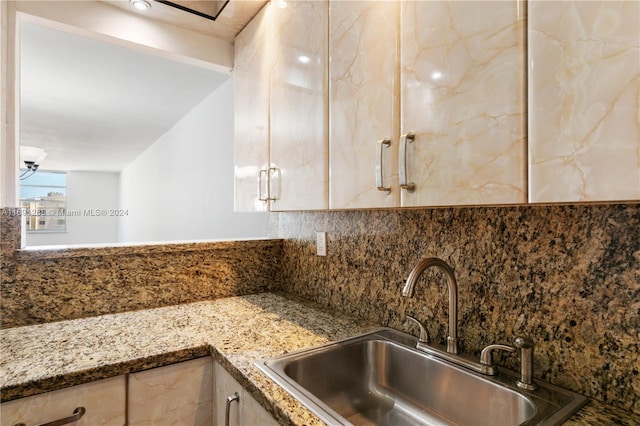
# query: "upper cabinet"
(251, 115)
(584, 127)
(298, 109)
(432, 107)
(364, 111)
(281, 124)
(463, 99)
(430, 103)
(455, 81)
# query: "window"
(43, 197)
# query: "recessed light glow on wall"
(436, 75)
(140, 4)
(304, 59)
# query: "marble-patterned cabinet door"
(178, 394)
(251, 114)
(451, 72)
(298, 106)
(462, 95)
(281, 124)
(243, 410)
(363, 103)
(104, 402)
(584, 97)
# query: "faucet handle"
(424, 337)
(486, 356)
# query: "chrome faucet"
(452, 286)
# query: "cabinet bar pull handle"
(379, 180)
(227, 407)
(404, 184)
(77, 414)
(260, 197)
(271, 171)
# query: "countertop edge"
(151, 248)
(79, 377)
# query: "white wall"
(181, 188)
(89, 194)
(102, 22)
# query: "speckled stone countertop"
(236, 331)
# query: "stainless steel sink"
(380, 379)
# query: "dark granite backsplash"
(53, 285)
(567, 276)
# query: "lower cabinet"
(242, 408)
(187, 393)
(104, 403)
(178, 394)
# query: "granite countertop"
(236, 331)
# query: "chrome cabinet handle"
(268, 173)
(77, 414)
(260, 197)
(231, 398)
(381, 144)
(404, 140)
(272, 171)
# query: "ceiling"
(96, 106)
(233, 18)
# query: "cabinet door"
(462, 94)
(225, 386)
(254, 414)
(243, 411)
(251, 114)
(103, 400)
(363, 103)
(584, 88)
(177, 394)
(298, 114)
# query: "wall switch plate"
(321, 243)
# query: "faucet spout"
(452, 286)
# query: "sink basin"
(380, 379)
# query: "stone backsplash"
(566, 276)
(39, 286)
